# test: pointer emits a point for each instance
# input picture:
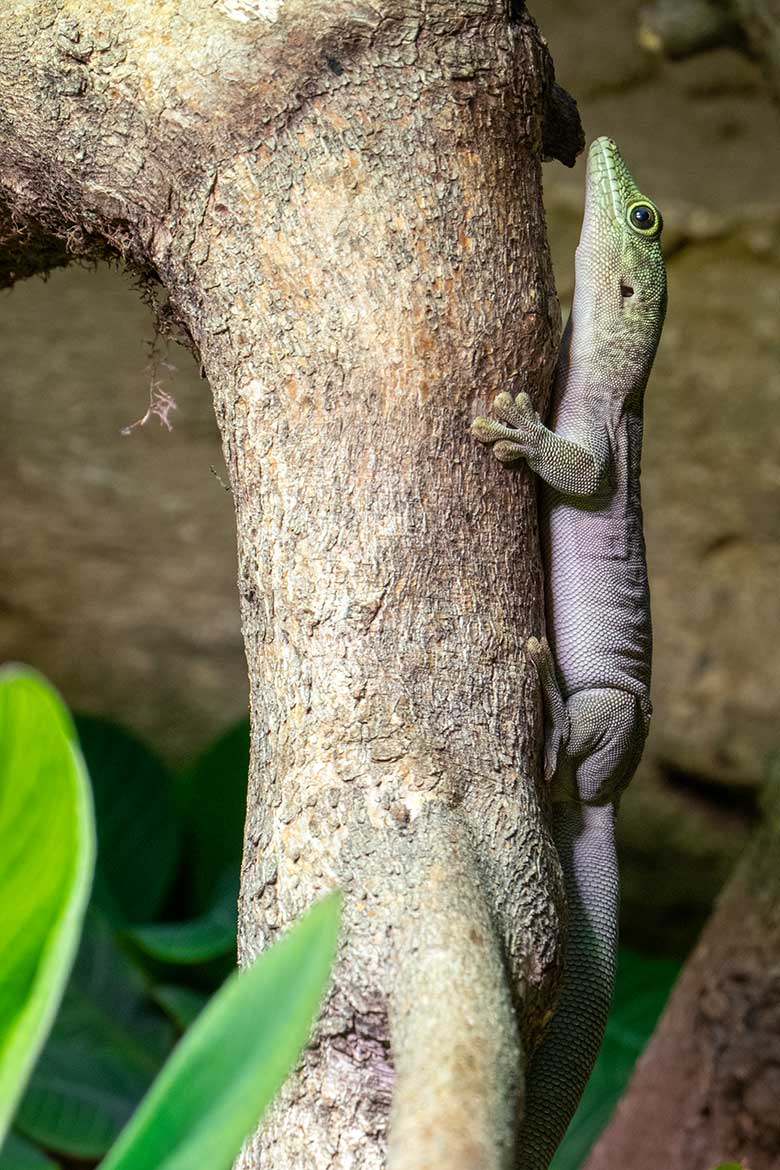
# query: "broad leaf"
(200, 940)
(182, 1004)
(227, 1068)
(17, 1154)
(139, 838)
(106, 1047)
(47, 850)
(212, 796)
(183, 943)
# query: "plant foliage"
(159, 937)
(642, 986)
(46, 862)
(227, 1068)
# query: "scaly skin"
(595, 671)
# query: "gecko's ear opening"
(625, 289)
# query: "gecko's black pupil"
(643, 217)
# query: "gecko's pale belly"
(598, 604)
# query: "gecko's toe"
(539, 650)
(502, 402)
(505, 408)
(482, 429)
(487, 430)
(524, 407)
(508, 452)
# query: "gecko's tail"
(457, 1052)
(585, 838)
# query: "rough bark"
(707, 1088)
(342, 203)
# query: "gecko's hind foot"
(557, 718)
(539, 650)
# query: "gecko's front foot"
(511, 434)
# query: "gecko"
(594, 664)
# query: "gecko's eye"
(644, 219)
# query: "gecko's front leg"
(576, 467)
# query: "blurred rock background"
(119, 550)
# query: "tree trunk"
(342, 203)
(707, 1088)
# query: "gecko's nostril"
(626, 289)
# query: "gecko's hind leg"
(604, 738)
(557, 722)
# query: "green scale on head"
(621, 278)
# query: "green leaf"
(106, 1047)
(183, 943)
(641, 989)
(227, 1068)
(17, 1154)
(138, 829)
(182, 1004)
(198, 941)
(212, 796)
(47, 849)
(106, 976)
(721, 1166)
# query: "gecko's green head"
(619, 255)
